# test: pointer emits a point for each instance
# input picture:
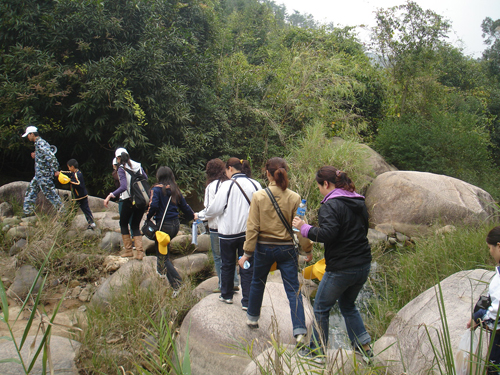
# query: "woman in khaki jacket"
(268, 241)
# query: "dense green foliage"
(179, 83)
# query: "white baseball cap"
(114, 161)
(30, 129)
(120, 151)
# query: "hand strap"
(280, 214)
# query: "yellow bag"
(163, 241)
(63, 179)
(316, 271)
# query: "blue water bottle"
(246, 265)
(301, 212)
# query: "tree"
(491, 33)
(406, 38)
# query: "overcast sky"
(465, 15)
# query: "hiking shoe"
(252, 324)
(312, 355)
(367, 354)
(229, 301)
(300, 341)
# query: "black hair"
(72, 163)
(240, 165)
(335, 176)
(493, 236)
(277, 168)
(125, 159)
(165, 176)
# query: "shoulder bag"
(149, 228)
(295, 240)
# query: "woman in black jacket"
(343, 227)
(167, 195)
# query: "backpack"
(139, 189)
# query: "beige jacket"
(264, 225)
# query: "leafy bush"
(454, 144)
(315, 150)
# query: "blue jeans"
(214, 244)
(342, 286)
(230, 250)
(287, 258)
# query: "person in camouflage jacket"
(46, 166)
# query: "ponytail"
(240, 165)
(278, 169)
(336, 177)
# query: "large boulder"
(419, 199)
(133, 271)
(17, 190)
(420, 319)
(217, 331)
(287, 361)
(63, 352)
(106, 221)
(190, 264)
(374, 159)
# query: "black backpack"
(139, 189)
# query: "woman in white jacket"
(128, 209)
(231, 206)
(216, 175)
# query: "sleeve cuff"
(304, 230)
(248, 255)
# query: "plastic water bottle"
(246, 265)
(301, 212)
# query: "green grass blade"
(15, 360)
(33, 313)
(5, 303)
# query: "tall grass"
(407, 272)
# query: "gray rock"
(190, 264)
(401, 237)
(63, 353)
(446, 229)
(112, 241)
(86, 293)
(18, 246)
(375, 237)
(6, 228)
(386, 229)
(117, 283)
(216, 329)
(419, 319)
(29, 220)
(419, 198)
(6, 209)
(148, 245)
(105, 221)
(181, 244)
(203, 243)
(25, 276)
(207, 287)
(90, 234)
(19, 232)
(11, 221)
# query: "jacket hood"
(353, 200)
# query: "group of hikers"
(251, 230)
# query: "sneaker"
(252, 324)
(366, 354)
(91, 226)
(312, 355)
(244, 308)
(175, 293)
(229, 301)
(300, 341)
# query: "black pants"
(84, 206)
(128, 209)
(230, 251)
(163, 264)
(495, 355)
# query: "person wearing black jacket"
(343, 229)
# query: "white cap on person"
(30, 129)
(120, 151)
